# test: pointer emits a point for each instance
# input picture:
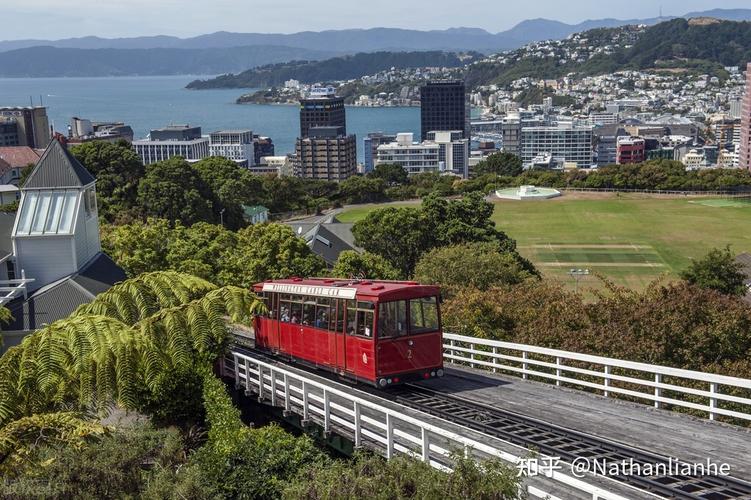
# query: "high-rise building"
(511, 130)
(326, 156)
(175, 140)
(27, 126)
(324, 150)
(444, 106)
(372, 141)
(745, 149)
(262, 146)
(564, 144)
(322, 108)
(235, 145)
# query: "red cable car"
(379, 332)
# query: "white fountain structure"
(524, 193)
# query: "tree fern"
(121, 344)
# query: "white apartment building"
(173, 140)
(443, 152)
(279, 165)
(728, 159)
(564, 144)
(693, 160)
(235, 145)
(153, 151)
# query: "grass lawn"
(630, 239)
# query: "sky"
(52, 19)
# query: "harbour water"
(151, 102)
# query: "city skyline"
(191, 17)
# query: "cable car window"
(295, 314)
(423, 315)
(365, 323)
(351, 317)
(360, 316)
(309, 311)
(285, 308)
(323, 313)
(392, 319)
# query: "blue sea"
(151, 102)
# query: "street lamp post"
(578, 274)
(221, 217)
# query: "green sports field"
(630, 239)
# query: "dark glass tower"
(322, 108)
(443, 107)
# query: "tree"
(138, 247)
(117, 169)
(399, 235)
(173, 190)
(269, 251)
(201, 250)
(358, 189)
(474, 265)
(351, 264)
(392, 174)
(718, 271)
(502, 163)
(231, 186)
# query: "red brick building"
(631, 150)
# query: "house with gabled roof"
(55, 262)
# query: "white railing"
(610, 377)
(380, 427)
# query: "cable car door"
(340, 338)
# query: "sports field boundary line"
(586, 247)
(649, 265)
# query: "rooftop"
(18, 156)
(377, 289)
(58, 168)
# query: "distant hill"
(52, 61)
(371, 40)
(337, 68)
(705, 45)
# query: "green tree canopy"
(718, 271)
(502, 163)
(403, 235)
(473, 265)
(351, 264)
(359, 189)
(173, 190)
(232, 186)
(399, 235)
(118, 171)
(269, 251)
(392, 174)
(250, 255)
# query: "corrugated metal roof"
(59, 299)
(58, 168)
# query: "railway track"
(555, 441)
